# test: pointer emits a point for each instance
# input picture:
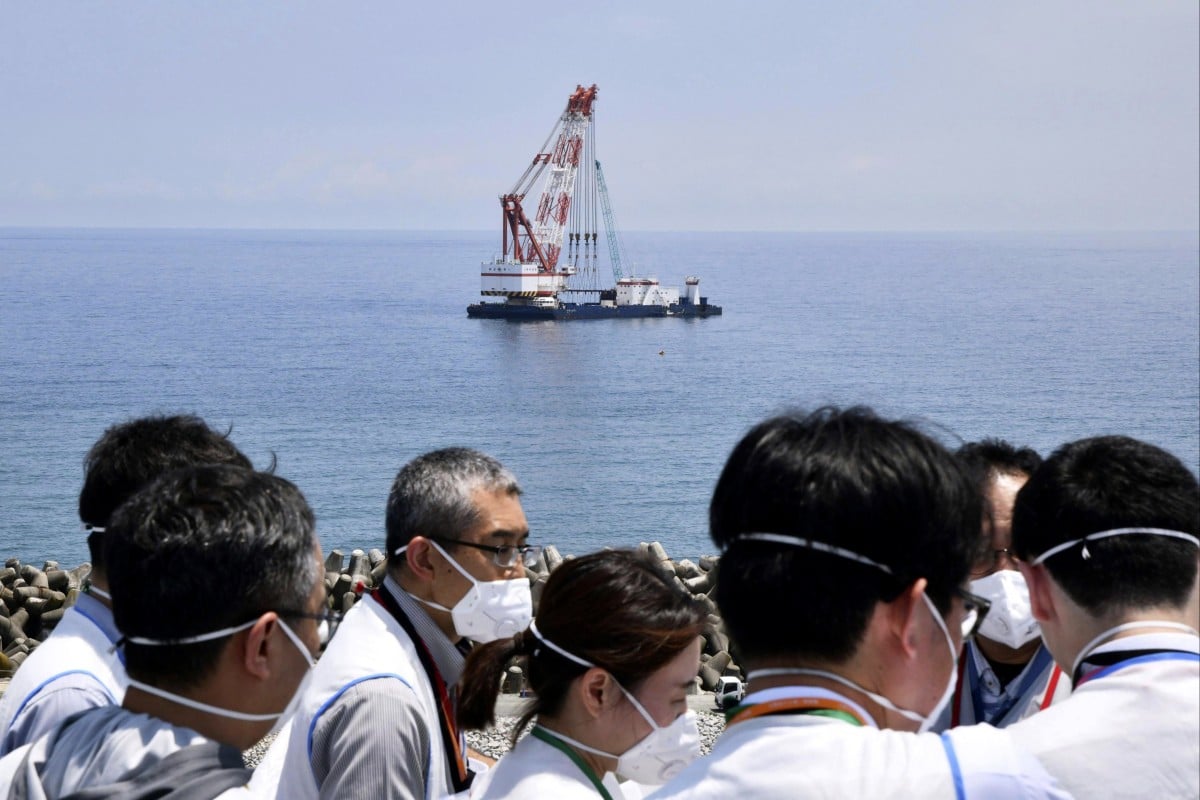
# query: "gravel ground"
(495, 742)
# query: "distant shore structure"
(535, 274)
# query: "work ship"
(535, 277)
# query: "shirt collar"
(1186, 642)
(446, 656)
(99, 614)
(795, 690)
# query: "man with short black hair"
(1005, 674)
(846, 541)
(379, 718)
(218, 590)
(77, 667)
(1108, 533)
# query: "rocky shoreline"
(33, 599)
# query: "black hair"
(432, 494)
(1104, 483)
(879, 488)
(988, 456)
(201, 549)
(984, 462)
(132, 454)
(615, 609)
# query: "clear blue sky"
(789, 115)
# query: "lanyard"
(816, 706)
(460, 776)
(549, 738)
(1120, 659)
(1032, 671)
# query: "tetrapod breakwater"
(33, 600)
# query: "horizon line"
(291, 229)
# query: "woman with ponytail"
(610, 657)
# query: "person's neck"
(851, 671)
(424, 591)
(236, 733)
(580, 732)
(997, 653)
(1144, 619)
(99, 579)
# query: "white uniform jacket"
(1131, 729)
(1041, 684)
(75, 669)
(537, 770)
(794, 755)
(369, 646)
(110, 752)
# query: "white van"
(729, 692)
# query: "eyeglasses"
(331, 619)
(990, 561)
(975, 608)
(504, 555)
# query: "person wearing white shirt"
(611, 657)
(78, 667)
(1108, 533)
(378, 719)
(1005, 674)
(846, 542)
(214, 655)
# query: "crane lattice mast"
(615, 251)
(541, 238)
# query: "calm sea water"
(343, 355)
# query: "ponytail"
(479, 685)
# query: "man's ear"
(596, 691)
(418, 559)
(903, 616)
(1041, 595)
(256, 655)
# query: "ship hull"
(568, 311)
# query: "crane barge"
(535, 276)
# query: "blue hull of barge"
(566, 311)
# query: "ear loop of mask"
(1085, 554)
(585, 663)
(453, 563)
(205, 637)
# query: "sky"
(795, 115)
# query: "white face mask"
(664, 752)
(925, 721)
(280, 717)
(490, 610)
(1010, 620)
(661, 754)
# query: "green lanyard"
(549, 738)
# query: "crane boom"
(541, 238)
(615, 251)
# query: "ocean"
(338, 356)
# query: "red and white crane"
(535, 269)
(529, 266)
